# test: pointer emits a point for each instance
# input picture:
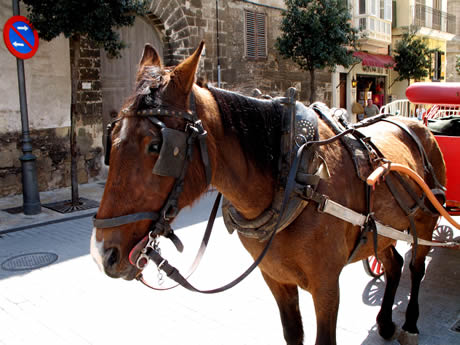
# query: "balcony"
(432, 18)
(374, 28)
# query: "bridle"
(172, 162)
(147, 248)
(175, 155)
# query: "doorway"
(343, 90)
(118, 75)
(371, 87)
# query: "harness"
(300, 170)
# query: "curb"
(84, 214)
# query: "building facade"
(47, 77)
(240, 55)
(240, 36)
(434, 24)
(382, 23)
(453, 46)
(369, 77)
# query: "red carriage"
(438, 106)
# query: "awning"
(375, 60)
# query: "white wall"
(47, 77)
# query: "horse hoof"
(406, 338)
(390, 332)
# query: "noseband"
(175, 155)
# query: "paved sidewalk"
(13, 222)
(71, 302)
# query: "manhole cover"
(30, 261)
(456, 327)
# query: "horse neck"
(236, 174)
(240, 181)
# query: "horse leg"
(326, 298)
(287, 298)
(392, 262)
(417, 268)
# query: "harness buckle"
(197, 129)
(143, 258)
(322, 203)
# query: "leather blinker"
(172, 153)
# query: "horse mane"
(255, 122)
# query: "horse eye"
(154, 147)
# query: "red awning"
(375, 60)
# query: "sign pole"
(31, 196)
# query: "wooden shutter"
(256, 42)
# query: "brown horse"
(242, 141)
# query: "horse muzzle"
(110, 260)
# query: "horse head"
(155, 166)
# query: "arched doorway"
(118, 75)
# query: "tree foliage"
(412, 56)
(317, 34)
(97, 19)
(457, 64)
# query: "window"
(437, 66)
(388, 9)
(256, 41)
(362, 6)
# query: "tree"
(95, 19)
(457, 64)
(412, 56)
(317, 34)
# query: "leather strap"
(123, 220)
(201, 250)
(427, 165)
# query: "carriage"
(438, 106)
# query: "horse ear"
(185, 71)
(150, 56)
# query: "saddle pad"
(336, 120)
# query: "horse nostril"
(112, 257)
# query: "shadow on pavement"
(71, 238)
(439, 300)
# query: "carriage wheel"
(373, 267)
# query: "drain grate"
(14, 210)
(456, 327)
(67, 207)
(32, 261)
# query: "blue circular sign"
(20, 37)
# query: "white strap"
(357, 219)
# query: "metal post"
(218, 48)
(31, 197)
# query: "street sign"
(20, 38)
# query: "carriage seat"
(448, 126)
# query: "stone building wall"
(185, 23)
(182, 24)
(47, 76)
